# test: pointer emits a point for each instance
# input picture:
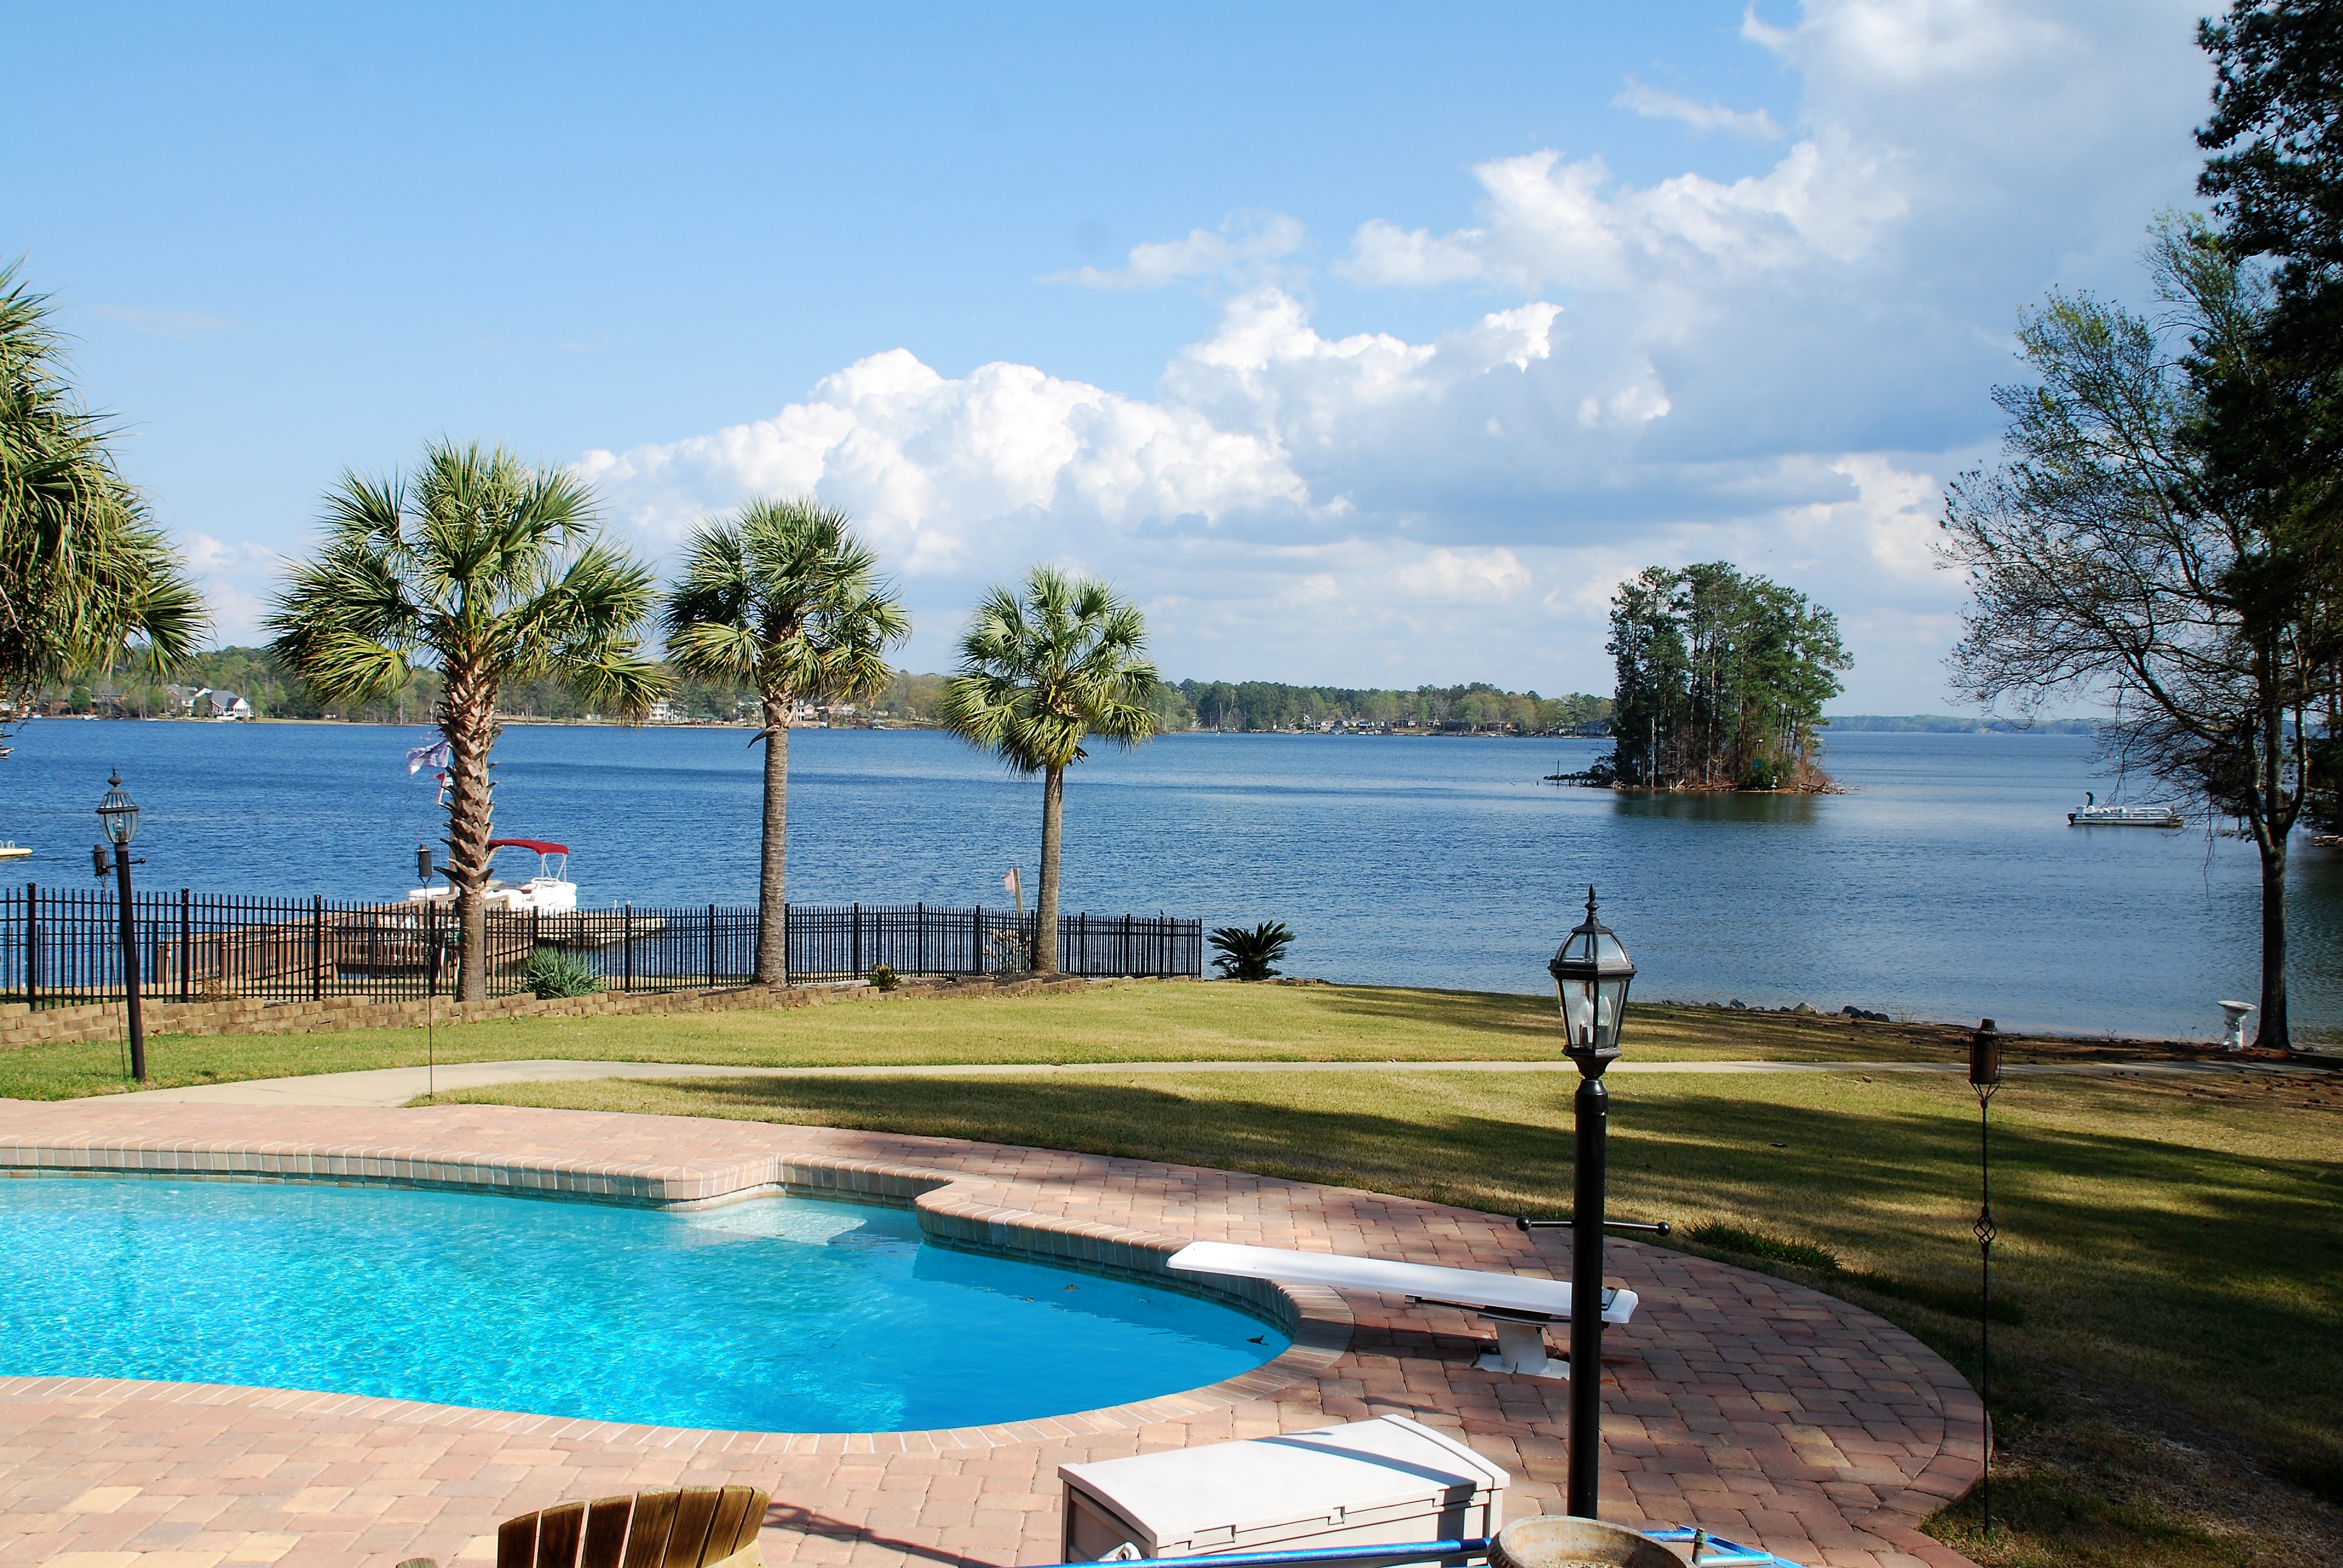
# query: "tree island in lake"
(1722, 681)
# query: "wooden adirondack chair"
(696, 1527)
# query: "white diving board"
(1518, 1305)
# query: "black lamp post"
(118, 815)
(1591, 972)
(1985, 1077)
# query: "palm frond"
(785, 596)
(475, 561)
(86, 579)
(1044, 668)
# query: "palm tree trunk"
(468, 718)
(773, 881)
(1045, 903)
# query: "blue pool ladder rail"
(1386, 1557)
(1708, 1551)
(1715, 1552)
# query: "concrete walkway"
(390, 1086)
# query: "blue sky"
(1360, 343)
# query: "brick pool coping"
(1766, 1411)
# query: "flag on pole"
(431, 754)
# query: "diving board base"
(1521, 1351)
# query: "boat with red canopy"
(550, 892)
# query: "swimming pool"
(778, 1314)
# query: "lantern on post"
(1590, 974)
(117, 819)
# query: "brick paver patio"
(1764, 1411)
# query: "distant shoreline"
(1952, 724)
(1859, 724)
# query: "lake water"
(1943, 884)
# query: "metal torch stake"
(423, 872)
(1592, 1112)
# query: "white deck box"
(1369, 1483)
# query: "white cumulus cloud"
(1751, 124)
(1258, 422)
(935, 468)
(1551, 221)
(1465, 576)
(1240, 249)
(235, 580)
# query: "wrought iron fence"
(63, 945)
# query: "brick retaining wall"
(22, 1026)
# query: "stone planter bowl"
(1558, 1541)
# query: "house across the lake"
(208, 702)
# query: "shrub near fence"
(61, 946)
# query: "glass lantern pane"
(1608, 951)
(1611, 1008)
(1578, 1010)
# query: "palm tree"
(85, 577)
(1038, 673)
(784, 599)
(488, 571)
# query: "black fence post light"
(1591, 973)
(1985, 1077)
(117, 816)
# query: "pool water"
(779, 1315)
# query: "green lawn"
(1138, 1022)
(2172, 1254)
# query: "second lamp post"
(1591, 972)
(118, 814)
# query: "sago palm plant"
(784, 599)
(1250, 955)
(490, 572)
(1040, 670)
(85, 577)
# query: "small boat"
(13, 850)
(2091, 814)
(550, 892)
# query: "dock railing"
(60, 946)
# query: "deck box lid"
(1262, 1484)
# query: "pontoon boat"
(550, 892)
(2091, 814)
